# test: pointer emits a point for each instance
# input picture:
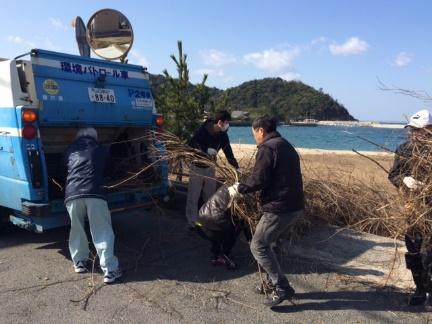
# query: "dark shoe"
(418, 298)
(279, 295)
(224, 260)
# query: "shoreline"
(371, 124)
(243, 149)
(360, 124)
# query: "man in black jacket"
(85, 161)
(278, 175)
(209, 139)
(401, 175)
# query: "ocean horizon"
(331, 137)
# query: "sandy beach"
(331, 163)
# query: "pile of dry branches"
(418, 202)
(336, 199)
(351, 203)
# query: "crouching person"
(402, 175)
(278, 175)
(216, 224)
(85, 161)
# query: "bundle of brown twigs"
(418, 202)
(337, 200)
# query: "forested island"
(286, 100)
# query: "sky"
(347, 48)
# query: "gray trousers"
(200, 180)
(269, 229)
(99, 216)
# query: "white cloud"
(290, 76)
(57, 23)
(353, 46)
(318, 41)
(271, 59)
(402, 59)
(21, 41)
(214, 57)
(137, 58)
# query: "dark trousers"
(222, 241)
(419, 260)
(264, 243)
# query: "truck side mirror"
(110, 34)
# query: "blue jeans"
(100, 228)
(269, 229)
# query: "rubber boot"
(419, 296)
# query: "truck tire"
(4, 218)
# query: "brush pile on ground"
(337, 199)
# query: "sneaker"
(80, 267)
(279, 295)
(111, 276)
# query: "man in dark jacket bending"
(85, 161)
(278, 175)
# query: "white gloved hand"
(412, 183)
(211, 151)
(233, 190)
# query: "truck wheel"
(4, 218)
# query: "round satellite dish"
(109, 34)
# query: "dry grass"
(338, 193)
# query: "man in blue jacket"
(85, 161)
(277, 175)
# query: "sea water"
(331, 137)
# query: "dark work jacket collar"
(268, 137)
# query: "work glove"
(412, 183)
(233, 191)
(212, 152)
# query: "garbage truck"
(45, 97)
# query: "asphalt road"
(168, 279)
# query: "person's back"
(285, 186)
(85, 161)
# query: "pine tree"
(180, 102)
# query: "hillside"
(291, 100)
